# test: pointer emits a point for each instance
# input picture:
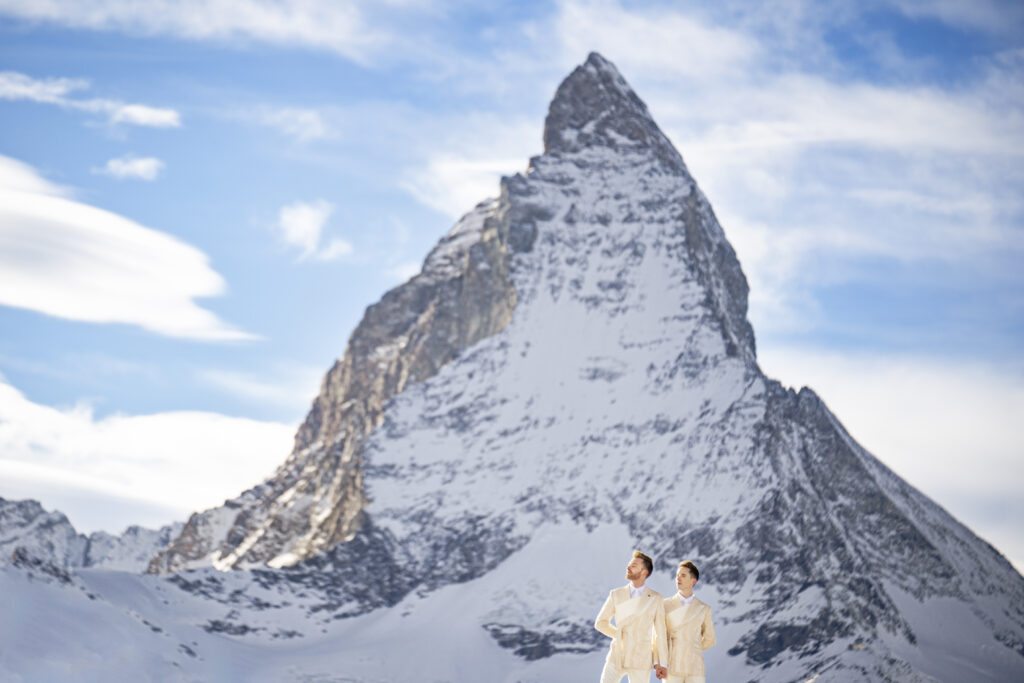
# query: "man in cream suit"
(639, 618)
(690, 629)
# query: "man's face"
(684, 580)
(635, 570)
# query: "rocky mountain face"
(573, 375)
(316, 498)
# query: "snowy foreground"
(110, 625)
(102, 625)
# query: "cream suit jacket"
(690, 632)
(639, 623)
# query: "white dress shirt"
(686, 601)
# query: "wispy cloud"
(67, 259)
(300, 124)
(675, 43)
(139, 114)
(301, 225)
(141, 168)
(462, 166)
(287, 386)
(453, 185)
(178, 461)
(989, 15)
(18, 86)
(319, 24)
(403, 271)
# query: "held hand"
(661, 672)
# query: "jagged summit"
(465, 293)
(595, 106)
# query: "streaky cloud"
(19, 86)
(337, 27)
(69, 260)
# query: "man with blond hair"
(690, 629)
(639, 614)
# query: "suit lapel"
(633, 608)
(692, 610)
(674, 613)
(678, 614)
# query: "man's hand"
(660, 671)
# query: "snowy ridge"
(32, 532)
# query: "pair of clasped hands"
(660, 672)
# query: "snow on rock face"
(49, 536)
(595, 107)
(572, 411)
(570, 376)
(132, 550)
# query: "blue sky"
(199, 199)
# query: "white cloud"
(17, 176)
(300, 225)
(673, 43)
(334, 249)
(71, 260)
(462, 165)
(286, 386)
(18, 86)
(794, 110)
(177, 462)
(142, 168)
(948, 427)
(404, 271)
(454, 185)
(304, 125)
(141, 115)
(321, 24)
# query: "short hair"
(691, 567)
(648, 562)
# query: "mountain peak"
(595, 106)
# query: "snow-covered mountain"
(26, 529)
(571, 375)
